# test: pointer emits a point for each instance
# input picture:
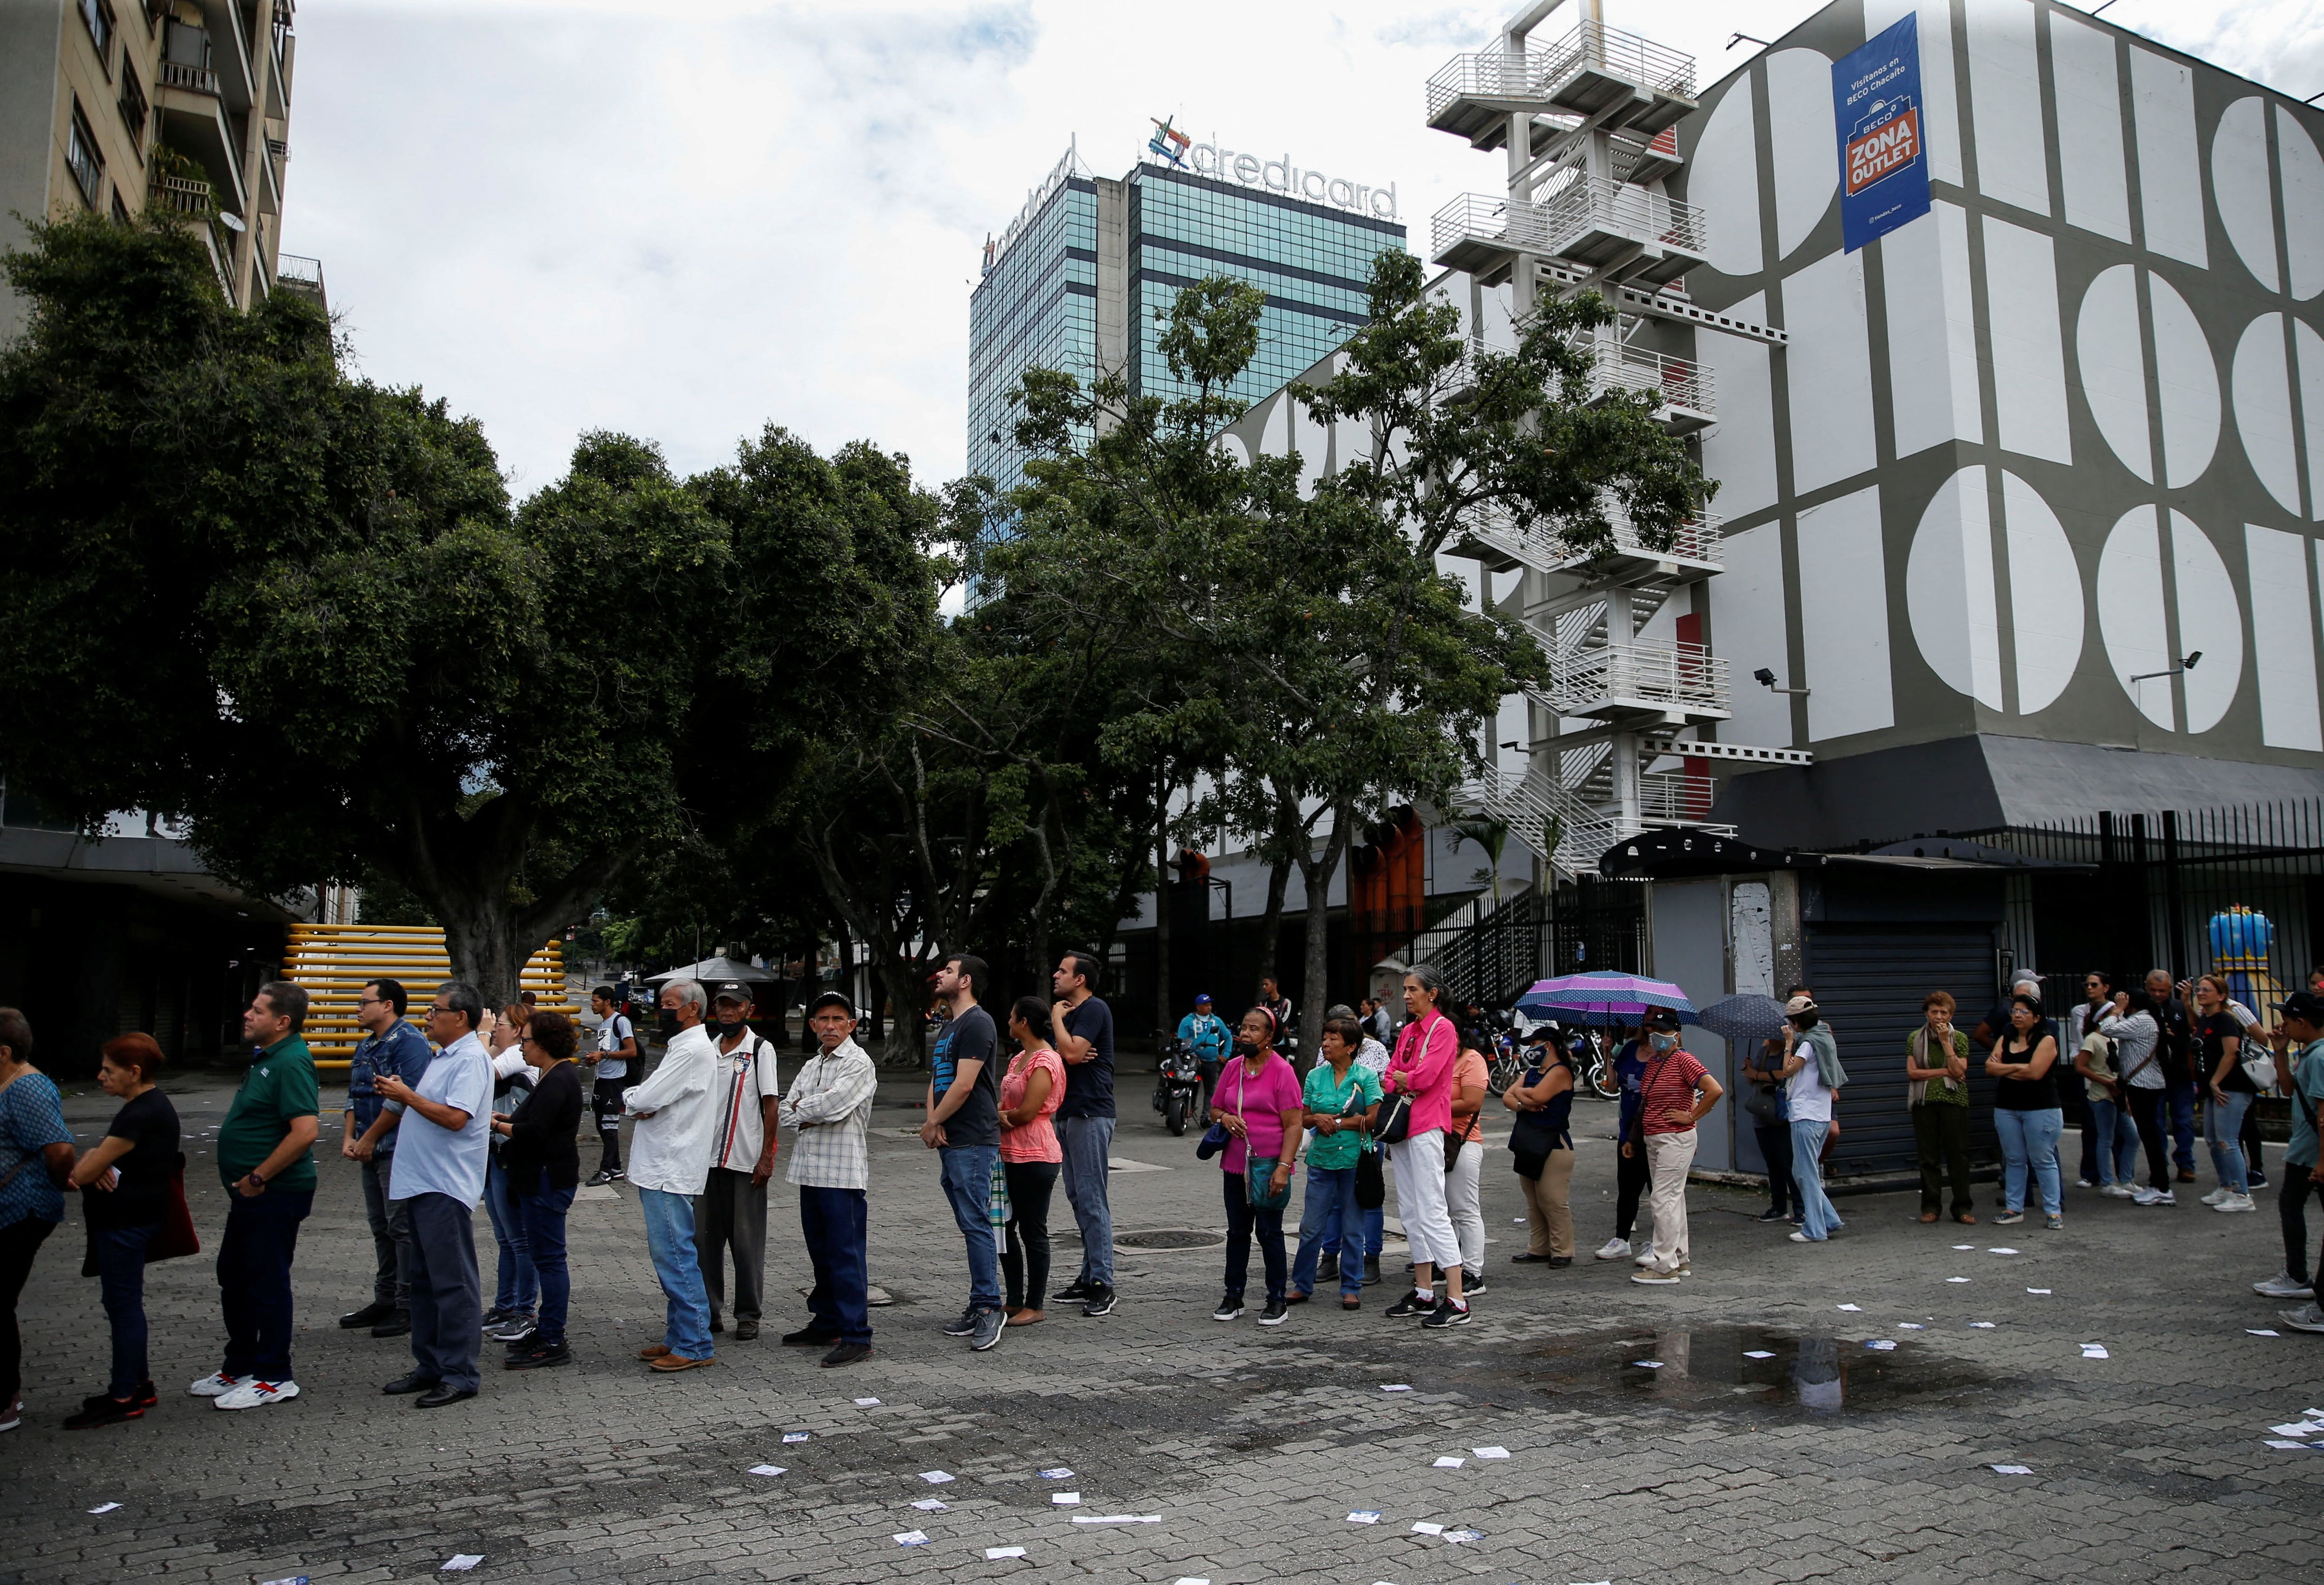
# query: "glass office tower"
(1076, 283)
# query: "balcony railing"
(1594, 46)
(297, 273)
(1674, 797)
(1642, 675)
(1580, 223)
(195, 80)
(182, 194)
(1698, 541)
(1684, 383)
(1604, 204)
(1491, 74)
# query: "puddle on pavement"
(1713, 1366)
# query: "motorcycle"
(1177, 1085)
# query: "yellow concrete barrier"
(333, 962)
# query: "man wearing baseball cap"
(1205, 1034)
(2304, 1023)
(731, 1213)
(830, 1108)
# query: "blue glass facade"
(1038, 305)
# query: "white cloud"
(688, 222)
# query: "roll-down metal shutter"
(1868, 981)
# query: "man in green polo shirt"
(263, 1159)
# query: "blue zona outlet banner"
(1883, 164)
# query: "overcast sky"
(688, 221)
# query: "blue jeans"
(1087, 1142)
(1375, 1231)
(254, 1274)
(2223, 1127)
(2029, 1140)
(2182, 1122)
(968, 1185)
(121, 1276)
(2118, 1143)
(541, 1215)
(520, 1285)
(1331, 1205)
(669, 1238)
(1817, 1217)
(832, 1221)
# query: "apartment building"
(113, 106)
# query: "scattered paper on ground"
(995, 1553)
(2001, 1250)
(1457, 1536)
(1364, 1516)
(1648, 1364)
(1964, 1245)
(1424, 1527)
(461, 1562)
(1490, 1452)
(1396, 1386)
(1449, 1462)
(2037, 1290)
(1851, 1307)
(104, 1507)
(1065, 1499)
(912, 1538)
(2263, 1331)
(1059, 1473)
(794, 1436)
(1116, 1518)
(935, 1477)
(765, 1468)
(2094, 1351)
(293, 1579)
(1910, 1326)
(1884, 1344)
(867, 1403)
(2280, 1441)
(1984, 1325)
(2011, 1469)
(1956, 1279)
(1758, 1353)
(929, 1505)
(2296, 1428)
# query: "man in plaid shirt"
(829, 1107)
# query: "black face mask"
(668, 1023)
(1246, 1047)
(729, 1022)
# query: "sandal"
(1351, 1302)
(1964, 1218)
(1928, 1216)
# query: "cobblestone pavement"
(1252, 1446)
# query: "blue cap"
(1201, 997)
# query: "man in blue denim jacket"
(390, 1046)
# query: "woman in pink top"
(1427, 1054)
(1258, 1102)
(1030, 1157)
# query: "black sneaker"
(1274, 1314)
(397, 1325)
(1230, 1308)
(537, 1356)
(1447, 1313)
(1078, 1288)
(1101, 1300)
(104, 1409)
(964, 1326)
(1410, 1305)
(497, 1314)
(1371, 1270)
(989, 1325)
(806, 1337)
(371, 1315)
(148, 1394)
(1774, 1213)
(1327, 1268)
(717, 1324)
(604, 1176)
(1472, 1281)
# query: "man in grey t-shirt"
(617, 1048)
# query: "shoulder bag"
(1259, 1172)
(2259, 1069)
(1395, 1114)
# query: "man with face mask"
(731, 1209)
(669, 1158)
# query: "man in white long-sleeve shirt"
(829, 1107)
(669, 1160)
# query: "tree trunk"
(908, 997)
(1163, 1023)
(484, 946)
(1270, 925)
(1316, 991)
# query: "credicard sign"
(1883, 164)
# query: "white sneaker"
(1658, 1275)
(218, 1386)
(1645, 1256)
(254, 1393)
(2236, 1202)
(2164, 1197)
(1614, 1249)
(2306, 1319)
(2142, 1195)
(2119, 1192)
(2216, 1195)
(2281, 1287)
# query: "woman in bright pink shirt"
(1426, 1055)
(1257, 1100)
(1030, 1157)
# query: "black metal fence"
(1592, 924)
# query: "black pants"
(254, 1274)
(1776, 1150)
(19, 1242)
(605, 1102)
(1630, 1182)
(2255, 1172)
(1025, 1258)
(2291, 1209)
(1244, 1218)
(2147, 1109)
(1940, 1141)
(447, 1304)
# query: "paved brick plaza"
(1252, 1445)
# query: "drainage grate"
(1169, 1239)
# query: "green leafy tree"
(300, 610)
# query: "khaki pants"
(1668, 1157)
(1549, 1216)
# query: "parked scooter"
(1178, 1085)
